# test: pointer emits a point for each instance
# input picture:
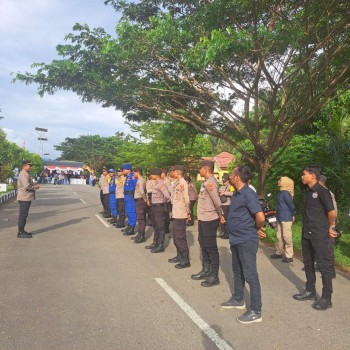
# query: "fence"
(7, 196)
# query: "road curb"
(7, 196)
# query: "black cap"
(172, 168)
(155, 171)
(179, 167)
(225, 177)
(138, 169)
(208, 163)
(27, 162)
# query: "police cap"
(27, 162)
(179, 167)
(138, 169)
(127, 166)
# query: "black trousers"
(192, 203)
(207, 242)
(105, 201)
(225, 210)
(318, 250)
(179, 236)
(167, 211)
(23, 213)
(158, 219)
(121, 209)
(141, 213)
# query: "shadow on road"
(60, 225)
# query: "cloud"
(29, 32)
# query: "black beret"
(29, 162)
(208, 163)
(155, 171)
(138, 169)
(172, 168)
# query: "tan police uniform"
(140, 197)
(104, 195)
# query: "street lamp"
(41, 139)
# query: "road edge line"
(103, 222)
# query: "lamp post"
(41, 139)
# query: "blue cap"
(111, 171)
(127, 166)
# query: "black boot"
(213, 279)
(127, 228)
(176, 259)
(23, 234)
(113, 220)
(129, 232)
(120, 223)
(106, 214)
(151, 246)
(158, 249)
(185, 262)
(202, 274)
(140, 237)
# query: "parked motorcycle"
(270, 214)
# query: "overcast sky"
(29, 32)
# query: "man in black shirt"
(318, 222)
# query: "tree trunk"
(262, 169)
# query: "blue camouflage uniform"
(129, 190)
(112, 199)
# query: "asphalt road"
(78, 284)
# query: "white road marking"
(83, 201)
(210, 332)
(104, 223)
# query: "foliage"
(233, 69)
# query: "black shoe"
(140, 238)
(276, 256)
(305, 295)
(183, 264)
(322, 304)
(287, 260)
(24, 234)
(151, 246)
(129, 232)
(202, 274)
(211, 281)
(127, 228)
(113, 220)
(176, 259)
(158, 249)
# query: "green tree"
(233, 69)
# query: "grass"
(341, 248)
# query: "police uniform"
(192, 193)
(225, 197)
(149, 187)
(209, 212)
(140, 197)
(130, 209)
(180, 213)
(160, 196)
(112, 200)
(120, 201)
(104, 194)
(167, 208)
(25, 195)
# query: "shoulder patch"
(210, 186)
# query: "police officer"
(181, 213)
(225, 197)
(104, 193)
(129, 190)
(192, 193)
(120, 199)
(149, 187)
(209, 215)
(167, 208)
(25, 194)
(140, 202)
(112, 200)
(160, 196)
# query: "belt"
(157, 204)
(129, 192)
(138, 199)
